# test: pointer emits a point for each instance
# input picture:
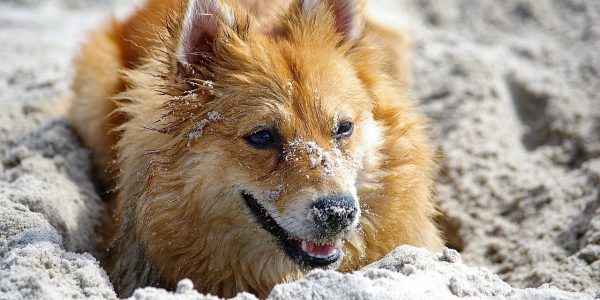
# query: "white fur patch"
(370, 157)
(310, 7)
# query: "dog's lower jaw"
(304, 253)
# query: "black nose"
(334, 212)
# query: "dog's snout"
(335, 212)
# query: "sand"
(512, 89)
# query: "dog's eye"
(263, 139)
(344, 129)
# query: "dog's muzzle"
(331, 217)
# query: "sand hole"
(531, 109)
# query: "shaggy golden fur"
(166, 99)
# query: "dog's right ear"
(346, 13)
(203, 20)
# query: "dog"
(247, 142)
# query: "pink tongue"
(320, 250)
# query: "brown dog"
(252, 141)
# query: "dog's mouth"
(304, 252)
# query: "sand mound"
(512, 89)
(406, 273)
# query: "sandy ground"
(512, 89)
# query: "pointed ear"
(199, 31)
(348, 21)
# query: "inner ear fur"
(348, 20)
(199, 31)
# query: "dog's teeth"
(317, 251)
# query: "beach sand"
(512, 89)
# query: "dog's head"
(281, 121)
(274, 126)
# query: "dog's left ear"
(348, 21)
(199, 32)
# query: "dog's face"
(285, 134)
(297, 161)
(297, 157)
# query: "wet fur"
(177, 171)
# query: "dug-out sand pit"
(511, 87)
